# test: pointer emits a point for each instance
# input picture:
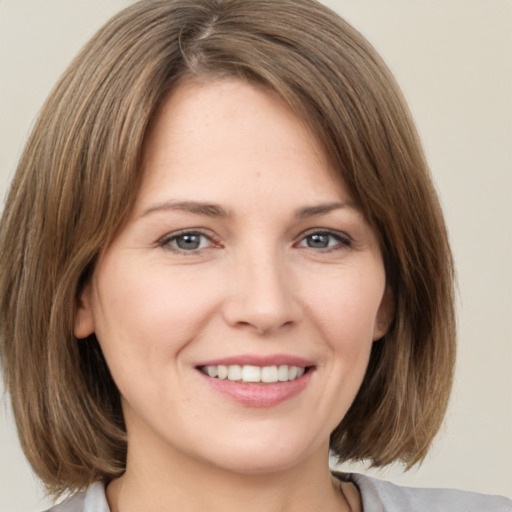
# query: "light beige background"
(453, 60)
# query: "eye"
(325, 240)
(186, 241)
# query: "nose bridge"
(261, 290)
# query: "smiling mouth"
(255, 374)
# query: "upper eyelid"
(326, 231)
(187, 231)
(329, 231)
(207, 232)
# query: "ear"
(84, 319)
(385, 315)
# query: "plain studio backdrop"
(453, 60)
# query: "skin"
(256, 284)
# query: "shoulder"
(93, 499)
(381, 496)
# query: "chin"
(263, 457)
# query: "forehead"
(229, 132)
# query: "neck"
(161, 483)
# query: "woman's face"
(243, 256)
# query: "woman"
(232, 198)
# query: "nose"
(261, 295)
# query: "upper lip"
(259, 360)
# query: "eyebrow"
(322, 209)
(217, 211)
(197, 207)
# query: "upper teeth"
(249, 373)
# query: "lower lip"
(259, 394)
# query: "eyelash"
(343, 241)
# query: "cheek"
(145, 317)
(347, 308)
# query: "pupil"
(188, 242)
(318, 241)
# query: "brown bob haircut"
(80, 172)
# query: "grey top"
(377, 496)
